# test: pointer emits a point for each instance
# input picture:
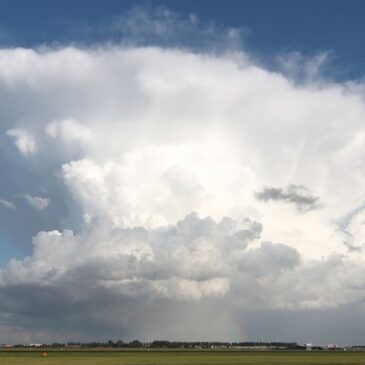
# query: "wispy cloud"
(36, 202)
(23, 140)
(163, 27)
(7, 204)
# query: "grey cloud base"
(105, 277)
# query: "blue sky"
(276, 26)
(194, 163)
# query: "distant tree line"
(161, 344)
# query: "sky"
(182, 170)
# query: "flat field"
(180, 358)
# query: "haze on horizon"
(178, 184)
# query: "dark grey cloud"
(116, 273)
(111, 281)
(269, 259)
(299, 195)
(341, 326)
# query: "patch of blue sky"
(9, 250)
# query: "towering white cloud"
(131, 141)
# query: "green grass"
(180, 358)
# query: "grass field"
(179, 358)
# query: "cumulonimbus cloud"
(129, 141)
